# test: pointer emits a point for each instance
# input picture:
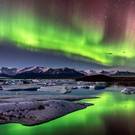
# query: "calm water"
(112, 114)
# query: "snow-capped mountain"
(44, 72)
(90, 72)
(39, 72)
(33, 69)
(8, 71)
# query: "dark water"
(112, 114)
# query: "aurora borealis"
(100, 30)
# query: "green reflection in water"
(108, 104)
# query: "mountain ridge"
(57, 73)
(39, 72)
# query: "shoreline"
(32, 111)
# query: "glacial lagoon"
(112, 113)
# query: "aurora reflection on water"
(94, 119)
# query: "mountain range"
(44, 72)
(40, 72)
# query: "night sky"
(16, 57)
(102, 31)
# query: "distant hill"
(123, 73)
(117, 80)
(96, 78)
(118, 73)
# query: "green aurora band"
(34, 33)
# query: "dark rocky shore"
(32, 111)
